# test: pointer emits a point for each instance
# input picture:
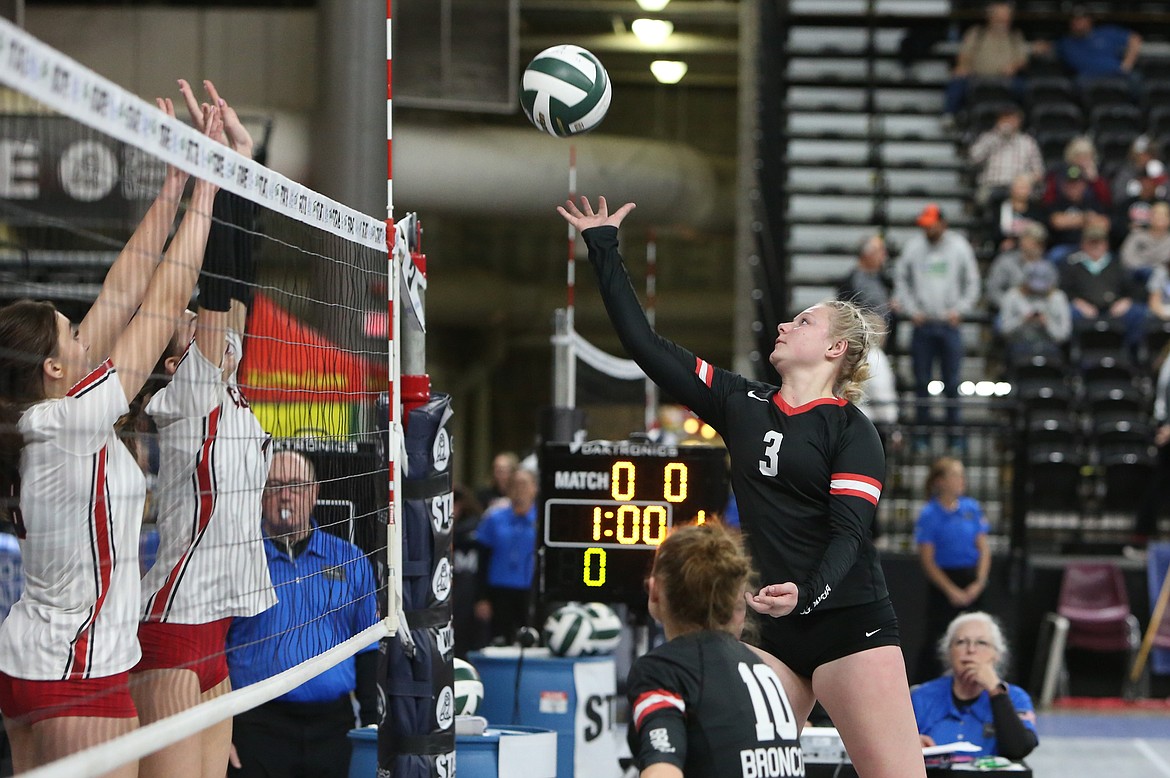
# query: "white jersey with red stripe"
(807, 480)
(213, 462)
(81, 501)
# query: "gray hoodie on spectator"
(933, 280)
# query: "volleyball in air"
(568, 629)
(565, 91)
(468, 688)
(605, 628)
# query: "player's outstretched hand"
(234, 134)
(774, 599)
(583, 218)
(176, 179)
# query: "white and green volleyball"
(468, 688)
(565, 91)
(568, 629)
(605, 628)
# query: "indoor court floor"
(1121, 744)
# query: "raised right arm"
(146, 336)
(126, 282)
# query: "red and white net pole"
(393, 326)
(571, 291)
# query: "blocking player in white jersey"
(213, 462)
(75, 491)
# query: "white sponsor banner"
(595, 754)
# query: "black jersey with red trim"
(807, 480)
(708, 705)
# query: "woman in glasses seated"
(971, 702)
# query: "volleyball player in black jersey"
(807, 469)
(690, 697)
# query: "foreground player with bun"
(76, 492)
(213, 462)
(806, 469)
(704, 704)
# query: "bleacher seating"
(866, 150)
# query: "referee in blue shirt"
(325, 589)
(507, 539)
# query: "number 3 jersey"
(807, 480)
(708, 705)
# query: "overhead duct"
(505, 172)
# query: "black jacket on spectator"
(1100, 289)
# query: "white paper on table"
(958, 747)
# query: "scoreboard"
(607, 505)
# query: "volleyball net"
(87, 178)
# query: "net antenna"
(570, 346)
(317, 371)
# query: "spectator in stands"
(1035, 317)
(1093, 51)
(325, 595)
(1125, 183)
(951, 534)
(1002, 153)
(1133, 213)
(495, 494)
(867, 284)
(880, 399)
(507, 536)
(1158, 285)
(971, 702)
(936, 284)
(1018, 210)
(1007, 269)
(1070, 212)
(1081, 152)
(991, 50)
(1100, 290)
(1144, 250)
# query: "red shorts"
(195, 647)
(33, 701)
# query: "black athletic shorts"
(804, 643)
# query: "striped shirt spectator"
(1004, 152)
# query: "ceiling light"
(652, 32)
(668, 71)
(652, 6)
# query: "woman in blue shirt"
(951, 534)
(971, 702)
(508, 536)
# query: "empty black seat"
(1125, 472)
(1106, 90)
(1050, 116)
(1154, 68)
(1053, 480)
(1119, 118)
(989, 90)
(1049, 89)
(1156, 91)
(1158, 123)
